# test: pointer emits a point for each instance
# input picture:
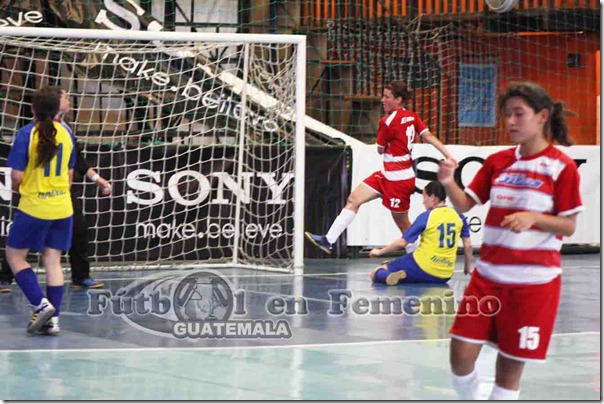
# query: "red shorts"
(396, 195)
(518, 318)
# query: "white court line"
(169, 271)
(237, 348)
(265, 275)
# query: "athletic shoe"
(319, 241)
(5, 287)
(395, 277)
(41, 315)
(51, 327)
(87, 283)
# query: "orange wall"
(542, 59)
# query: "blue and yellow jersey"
(440, 229)
(45, 190)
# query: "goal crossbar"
(244, 90)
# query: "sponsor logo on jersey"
(518, 180)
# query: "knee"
(461, 361)
(353, 203)
(379, 274)
(50, 258)
(509, 372)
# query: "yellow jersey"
(440, 229)
(45, 190)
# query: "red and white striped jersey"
(396, 133)
(548, 183)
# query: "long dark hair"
(46, 104)
(399, 89)
(538, 99)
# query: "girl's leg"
(28, 282)
(507, 379)
(463, 357)
(24, 275)
(389, 276)
(51, 258)
(401, 219)
(358, 197)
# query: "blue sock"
(28, 282)
(381, 275)
(55, 296)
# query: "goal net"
(197, 134)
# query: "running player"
(42, 160)
(534, 194)
(440, 228)
(396, 181)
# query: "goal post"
(202, 136)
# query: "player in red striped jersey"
(534, 194)
(396, 181)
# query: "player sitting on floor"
(440, 228)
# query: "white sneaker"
(42, 313)
(51, 327)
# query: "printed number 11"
(59, 163)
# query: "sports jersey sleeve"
(384, 133)
(417, 228)
(19, 156)
(480, 187)
(420, 126)
(80, 165)
(567, 196)
(465, 228)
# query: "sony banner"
(373, 226)
(179, 202)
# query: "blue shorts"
(414, 273)
(30, 232)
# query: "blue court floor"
(350, 356)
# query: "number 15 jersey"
(440, 229)
(45, 190)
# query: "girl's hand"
(446, 169)
(519, 221)
(376, 252)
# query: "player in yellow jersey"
(42, 160)
(440, 228)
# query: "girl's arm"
(521, 221)
(396, 245)
(460, 200)
(433, 140)
(16, 176)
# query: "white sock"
(466, 386)
(340, 224)
(499, 393)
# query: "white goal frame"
(247, 91)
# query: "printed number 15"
(448, 235)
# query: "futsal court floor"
(349, 357)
